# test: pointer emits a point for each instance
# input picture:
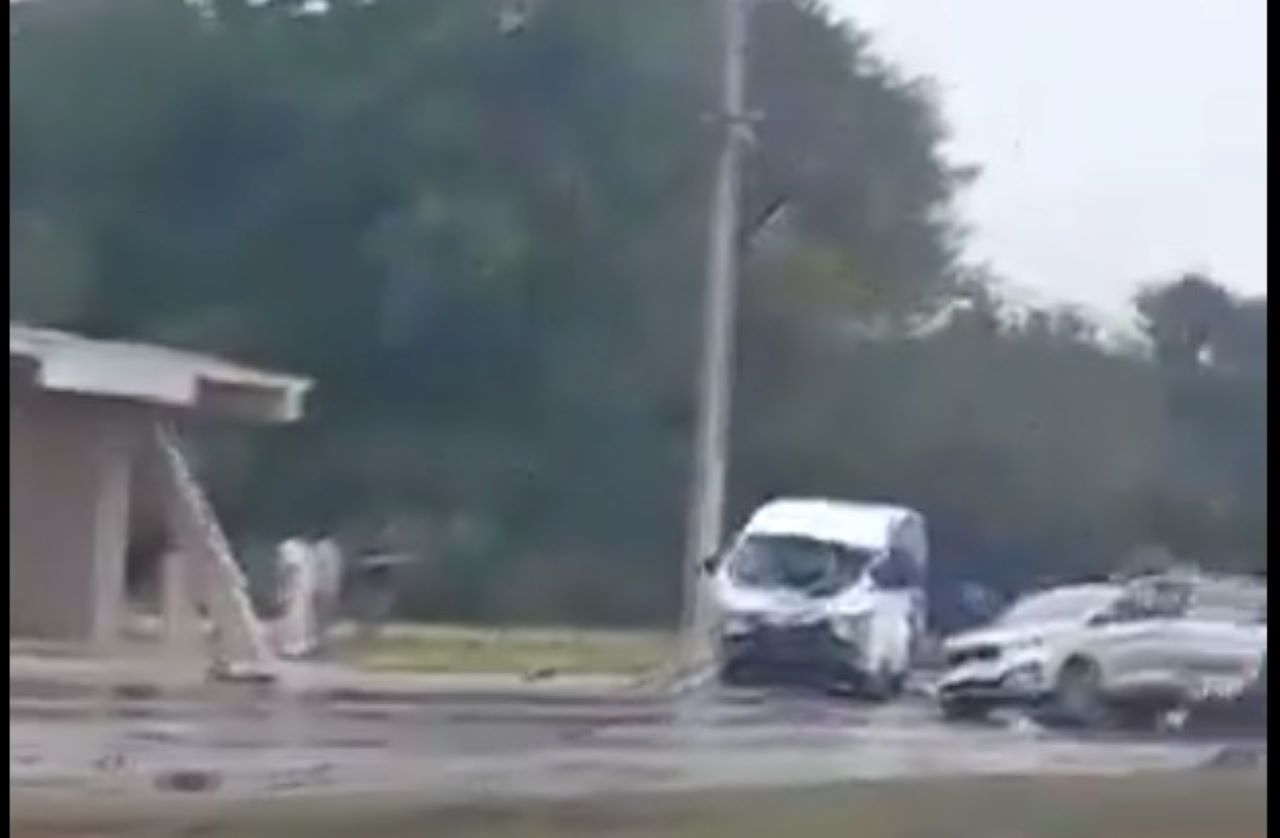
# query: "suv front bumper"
(1016, 683)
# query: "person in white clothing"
(296, 634)
(328, 588)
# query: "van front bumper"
(803, 653)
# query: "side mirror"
(897, 571)
(710, 564)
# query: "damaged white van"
(823, 592)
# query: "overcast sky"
(1121, 140)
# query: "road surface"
(484, 746)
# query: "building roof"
(62, 362)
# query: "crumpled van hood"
(785, 606)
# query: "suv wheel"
(1077, 697)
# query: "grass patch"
(1152, 806)
(463, 650)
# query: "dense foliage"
(480, 226)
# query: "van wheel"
(732, 674)
(964, 710)
(1077, 696)
(884, 685)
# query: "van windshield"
(797, 563)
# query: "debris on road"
(189, 781)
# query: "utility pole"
(707, 498)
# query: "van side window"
(897, 571)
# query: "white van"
(821, 591)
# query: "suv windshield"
(797, 563)
(1062, 604)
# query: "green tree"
(484, 237)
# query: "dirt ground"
(1189, 805)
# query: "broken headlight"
(738, 625)
(852, 629)
(1028, 676)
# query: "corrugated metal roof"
(71, 363)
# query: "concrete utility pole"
(707, 499)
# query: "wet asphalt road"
(451, 749)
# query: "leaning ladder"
(240, 643)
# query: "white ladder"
(240, 643)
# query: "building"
(92, 433)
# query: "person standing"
(296, 628)
(329, 575)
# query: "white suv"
(1083, 653)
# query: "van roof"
(863, 525)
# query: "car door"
(1173, 644)
(1222, 636)
(1134, 641)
